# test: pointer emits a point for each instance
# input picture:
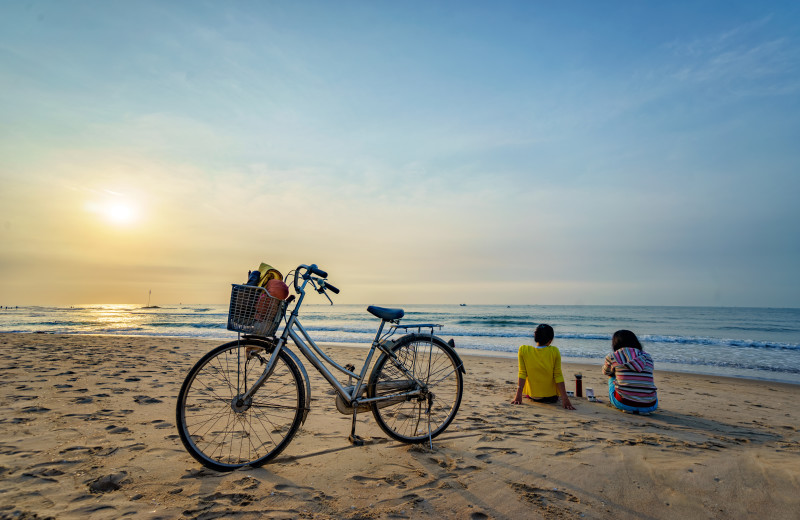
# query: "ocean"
(755, 343)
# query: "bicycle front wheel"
(222, 429)
(415, 419)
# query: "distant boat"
(462, 304)
(148, 306)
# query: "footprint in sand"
(163, 425)
(110, 413)
(108, 483)
(552, 503)
(117, 429)
(44, 474)
(35, 409)
(290, 487)
(17, 420)
(201, 473)
(396, 479)
(248, 483)
(571, 450)
(144, 399)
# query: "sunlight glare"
(119, 213)
(115, 211)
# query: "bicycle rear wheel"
(414, 419)
(222, 430)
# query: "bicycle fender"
(452, 345)
(270, 347)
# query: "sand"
(87, 431)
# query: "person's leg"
(625, 407)
(649, 408)
(611, 392)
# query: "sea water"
(744, 342)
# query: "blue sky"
(519, 152)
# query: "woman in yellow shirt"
(540, 374)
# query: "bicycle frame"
(314, 353)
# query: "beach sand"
(87, 431)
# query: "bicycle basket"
(254, 311)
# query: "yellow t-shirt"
(541, 366)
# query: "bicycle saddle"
(386, 314)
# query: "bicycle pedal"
(356, 440)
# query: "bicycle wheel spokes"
(438, 382)
(221, 428)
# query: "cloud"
(745, 60)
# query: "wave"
(755, 328)
(573, 353)
(218, 321)
(721, 342)
(646, 338)
(60, 323)
(178, 325)
(532, 321)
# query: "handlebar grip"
(317, 271)
(332, 288)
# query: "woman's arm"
(608, 367)
(523, 376)
(518, 398)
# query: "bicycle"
(243, 402)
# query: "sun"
(114, 210)
(119, 213)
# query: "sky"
(591, 153)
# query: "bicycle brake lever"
(321, 288)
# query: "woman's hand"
(562, 392)
(518, 397)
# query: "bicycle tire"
(221, 431)
(437, 366)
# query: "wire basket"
(254, 311)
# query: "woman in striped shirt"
(630, 371)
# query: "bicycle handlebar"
(312, 270)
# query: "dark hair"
(625, 339)
(543, 334)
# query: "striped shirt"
(632, 370)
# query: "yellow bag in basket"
(268, 273)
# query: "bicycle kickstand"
(354, 439)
